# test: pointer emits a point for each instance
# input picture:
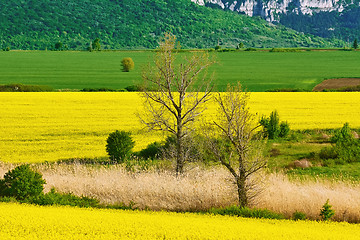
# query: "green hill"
(136, 24)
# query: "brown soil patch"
(337, 83)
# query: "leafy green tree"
(355, 44)
(96, 44)
(127, 64)
(58, 45)
(240, 45)
(22, 182)
(119, 145)
(272, 128)
(326, 212)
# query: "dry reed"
(199, 189)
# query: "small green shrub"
(345, 147)
(152, 151)
(246, 212)
(299, 216)
(17, 87)
(287, 90)
(285, 50)
(251, 49)
(127, 64)
(99, 90)
(343, 135)
(284, 129)
(65, 199)
(134, 88)
(119, 145)
(328, 153)
(326, 212)
(22, 182)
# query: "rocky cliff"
(270, 9)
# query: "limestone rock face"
(269, 9)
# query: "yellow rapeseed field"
(37, 127)
(34, 222)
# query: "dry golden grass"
(199, 189)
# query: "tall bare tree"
(181, 90)
(234, 141)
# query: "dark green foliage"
(345, 149)
(284, 50)
(127, 64)
(287, 90)
(299, 216)
(58, 45)
(119, 145)
(217, 48)
(326, 212)
(152, 151)
(343, 136)
(246, 212)
(251, 49)
(136, 24)
(240, 45)
(17, 87)
(22, 183)
(328, 153)
(134, 88)
(271, 127)
(66, 199)
(100, 90)
(96, 45)
(355, 44)
(284, 129)
(340, 25)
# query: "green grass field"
(258, 71)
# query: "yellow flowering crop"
(36, 127)
(34, 222)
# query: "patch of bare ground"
(337, 83)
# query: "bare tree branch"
(236, 129)
(173, 108)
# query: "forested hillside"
(345, 25)
(136, 24)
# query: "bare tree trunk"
(179, 149)
(242, 192)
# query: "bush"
(284, 129)
(119, 145)
(17, 87)
(152, 151)
(134, 88)
(22, 183)
(127, 64)
(246, 212)
(65, 199)
(271, 127)
(299, 216)
(343, 136)
(326, 212)
(345, 149)
(328, 153)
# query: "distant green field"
(258, 71)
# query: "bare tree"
(234, 141)
(182, 89)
